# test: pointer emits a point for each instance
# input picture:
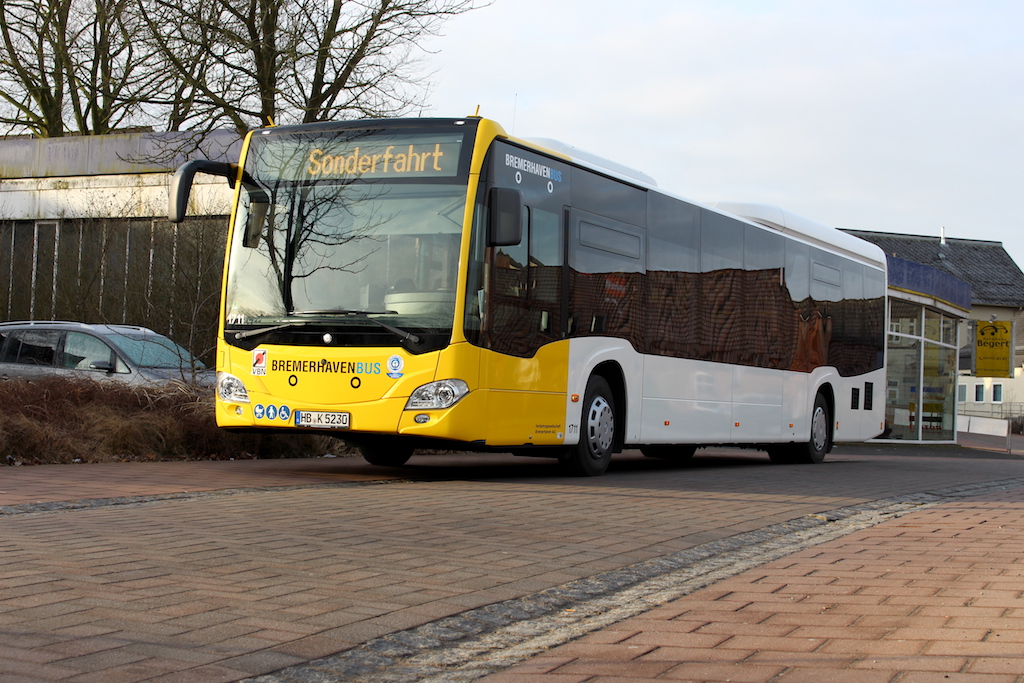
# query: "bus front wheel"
(591, 456)
(385, 452)
(814, 449)
(820, 442)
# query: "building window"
(997, 393)
(961, 393)
(979, 393)
(904, 318)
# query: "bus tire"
(677, 453)
(820, 443)
(814, 450)
(385, 452)
(591, 456)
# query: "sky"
(901, 116)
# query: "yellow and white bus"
(437, 283)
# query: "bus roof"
(766, 215)
(594, 161)
(790, 223)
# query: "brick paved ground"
(48, 483)
(257, 578)
(937, 595)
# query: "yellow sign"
(993, 348)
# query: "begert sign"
(993, 348)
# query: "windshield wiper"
(365, 315)
(245, 334)
(362, 315)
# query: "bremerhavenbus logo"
(341, 367)
(533, 168)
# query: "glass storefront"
(921, 386)
(903, 381)
(938, 394)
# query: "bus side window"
(545, 255)
(545, 271)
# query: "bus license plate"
(313, 418)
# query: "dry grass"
(62, 421)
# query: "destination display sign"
(367, 157)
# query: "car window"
(155, 351)
(32, 347)
(82, 350)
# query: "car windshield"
(155, 351)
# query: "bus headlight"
(437, 395)
(230, 388)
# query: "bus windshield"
(312, 239)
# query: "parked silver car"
(124, 353)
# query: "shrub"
(57, 420)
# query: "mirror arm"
(181, 183)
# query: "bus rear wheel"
(814, 449)
(591, 456)
(820, 442)
(385, 452)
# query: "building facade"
(940, 289)
(84, 234)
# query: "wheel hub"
(819, 430)
(600, 426)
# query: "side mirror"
(181, 183)
(254, 223)
(505, 223)
(103, 365)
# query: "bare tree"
(93, 66)
(252, 62)
(75, 66)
